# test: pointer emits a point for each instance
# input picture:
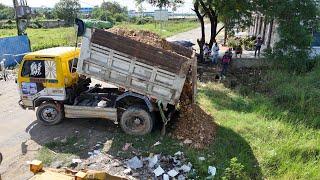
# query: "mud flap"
(165, 120)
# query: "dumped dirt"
(194, 127)
(152, 39)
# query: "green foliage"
(162, 3)
(296, 22)
(235, 171)
(6, 12)
(67, 10)
(110, 11)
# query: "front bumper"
(25, 106)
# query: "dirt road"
(13, 123)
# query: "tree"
(296, 23)
(110, 11)
(67, 10)
(6, 12)
(230, 12)
(162, 3)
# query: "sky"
(186, 7)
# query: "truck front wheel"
(49, 114)
(136, 121)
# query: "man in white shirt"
(215, 53)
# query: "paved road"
(13, 122)
(195, 34)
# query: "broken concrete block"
(158, 172)
(179, 153)
(173, 173)
(76, 161)
(185, 168)
(127, 171)
(165, 177)
(134, 163)
(181, 177)
(153, 161)
(212, 170)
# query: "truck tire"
(137, 121)
(49, 114)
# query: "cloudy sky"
(186, 8)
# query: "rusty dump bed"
(135, 66)
(143, 52)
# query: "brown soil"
(196, 125)
(152, 39)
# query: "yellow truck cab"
(45, 75)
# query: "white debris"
(212, 170)
(90, 153)
(64, 140)
(135, 163)
(102, 103)
(153, 161)
(179, 153)
(181, 177)
(173, 173)
(96, 152)
(202, 158)
(185, 168)
(157, 143)
(159, 171)
(127, 171)
(187, 141)
(165, 177)
(76, 161)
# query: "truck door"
(31, 80)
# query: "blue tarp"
(13, 49)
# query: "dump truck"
(146, 81)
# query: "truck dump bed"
(135, 66)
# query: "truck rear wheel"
(49, 114)
(136, 120)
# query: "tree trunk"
(201, 41)
(270, 34)
(225, 35)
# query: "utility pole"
(22, 14)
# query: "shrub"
(235, 171)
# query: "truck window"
(75, 63)
(35, 69)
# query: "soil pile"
(146, 37)
(194, 127)
(152, 39)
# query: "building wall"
(266, 30)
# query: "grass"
(282, 150)
(46, 38)
(260, 131)
(65, 36)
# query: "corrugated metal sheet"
(12, 49)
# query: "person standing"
(226, 59)
(206, 51)
(258, 45)
(215, 53)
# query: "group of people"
(213, 54)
